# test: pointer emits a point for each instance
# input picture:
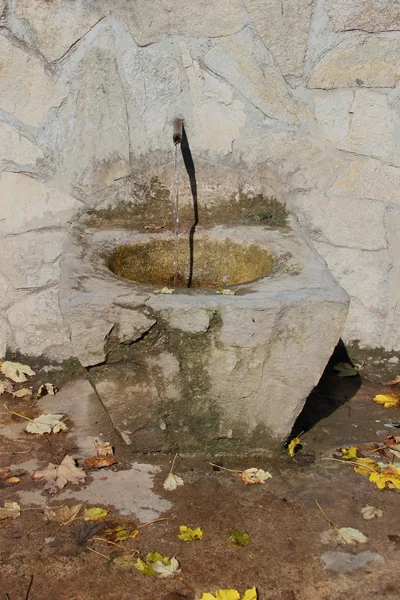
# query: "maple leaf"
(23, 393)
(103, 449)
(63, 514)
(364, 466)
(349, 453)
(16, 371)
(10, 510)
(46, 424)
(95, 514)
(99, 462)
(166, 570)
(352, 536)
(60, 475)
(172, 482)
(119, 531)
(370, 512)
(236, 538)
(385, 479)
(293, 445)
(250, 594)
(254, 475)
(126, 562)
(144, 568)
(345, 370)
(189, 535)
(388, 400)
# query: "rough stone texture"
(2, 5)
(371, 179)
(284, 28)
(211, 370)
(368, 15)
(15, 148)
(28, 89)
(373, 62)
(392, 332)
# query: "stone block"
(16, 148)
(28, 89)
(283, 27)
(371, 179)
(373, 62)
(391, 340)
(365, 15)
(26, 204)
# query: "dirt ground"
(285, 559)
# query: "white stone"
(38, 326)
(373, 62)
(371, 179)
(345, 220)
(28, 91)
(16, 148)
(26, 204)
(240, 63)
(97, 145)
(284, 28)
(391, 339)
(132, 325)
(366, 15)
(188, 320)
(57, 25)
(359, 121)
(2, 5)
(31, 259)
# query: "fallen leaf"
(82, 532)
(163, 570)
(165, 290)
(144, 568)
(383, 480)
(345, 370)
(388, 400)
(103, 449)
(250, 594)
(16, 371)
(23, 393)
(352, 536)
(365, 466)
(46, 388)
(95, 514)
(393, 441)
(172, 482)
(4, 473)
(226, 292)
(254, 475)
(370, 512)
(349, 453)
(293, 445)
(6, 386)
(63, 514)
(236, 538)
(189, 535)
(126, 562)
(46, 424)
(60, 475)
(99, 462)
(394, 381)
(13, 480)
(119, 531)
(10, 510)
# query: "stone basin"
(198, 371)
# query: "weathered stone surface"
(358, 121)
(3, 338)
(359, 272)
(28, 91)
(284, 28)
(26, 204)
(374, 62)
(32, 258)
(368, 15)
(193, 18)
(391, 338)
(14, 147)
(371, 179)
(344, 220)
(38, 326)
(239, 62)
(131, 326)
(57, 25)
(97, 145)
(188, 320)
(2, 5)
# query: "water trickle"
(176, 217)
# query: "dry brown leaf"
(103, 449)
(16, 371)
(22, 393)
(57, 476)
(97, 462)
(63, 514)
(6, 386)
(254, 475)
(394, 381)
(10, 510)
(46, 388)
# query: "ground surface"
(39, 560)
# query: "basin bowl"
(223, 367)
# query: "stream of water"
(176, 217)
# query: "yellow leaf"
(250, 594)
(95, 514)
(254, 475)
(365, 466)
(349, 453)
(388, 400)
(383, 479)
(222, 595)
(11, 510)
(145, 569)
(293, 444)
(189, 535)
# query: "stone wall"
(299, 98)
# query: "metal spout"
(177, 131)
